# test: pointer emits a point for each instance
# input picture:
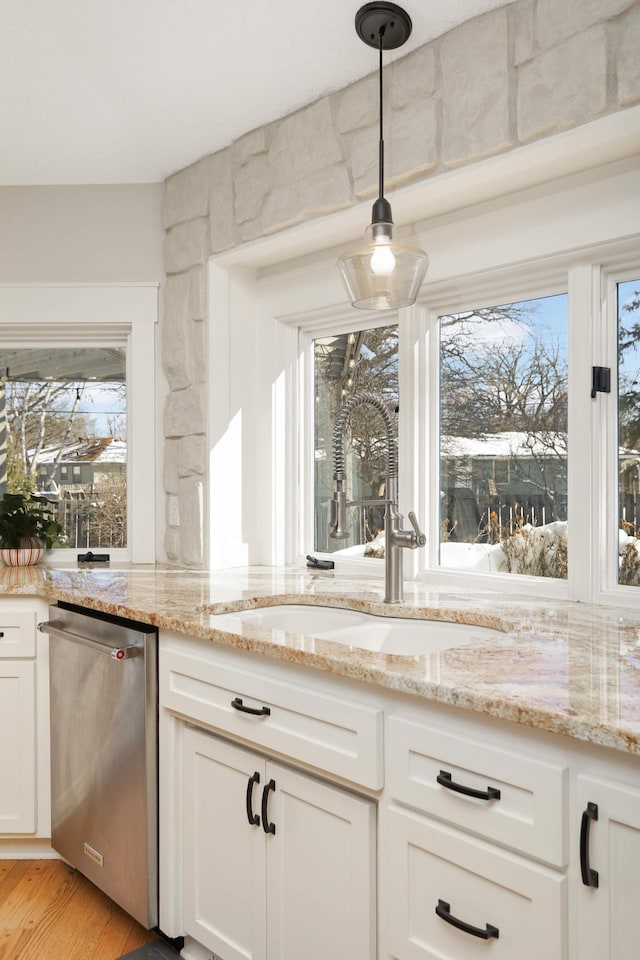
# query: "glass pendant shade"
(383, 274)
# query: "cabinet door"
(607, 915)
(447, 896)
(17, 746)
(224, 855)
(320, 870)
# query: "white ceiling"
(129, 91)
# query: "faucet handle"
(420, 537)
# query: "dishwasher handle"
(116, 653)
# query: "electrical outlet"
(174, 512)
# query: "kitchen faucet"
(396, 538)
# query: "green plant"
(22, 516)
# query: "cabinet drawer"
(529, 814)
(327, 732)
(17, 633)
(429, 866)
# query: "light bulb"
(383, 261)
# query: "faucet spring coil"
(366, 398)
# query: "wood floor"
(50, 912)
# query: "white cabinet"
(478, 823)
(254, 703)
(461, 826)
(453, 897)
(17, 630)
(277, 864)
(607, 879)
(24, 729)
(17, 746)
(503, 795)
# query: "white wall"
(88, 234)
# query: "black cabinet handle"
(252, 817)
(589, 876)
(444, 912)
(266, 826)
(445, 780)
(237, 704)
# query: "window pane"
(503, 438)
(347, 364)
(63, 436)
(629, 432)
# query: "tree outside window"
(503, 438)
(346, 364)
(63, 436)
(629, 432)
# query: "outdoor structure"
(513, 476)
(85, 481)
(74, 469)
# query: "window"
(503, 438)
(346, 364)
(67, 404)
(628, 316)
(75, 334)
(558, 255)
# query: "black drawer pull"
(266, 826)
(252, 817)
(444, 912)
(589, 876)
(445, 780)
(237, 704)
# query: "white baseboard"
(19, 848)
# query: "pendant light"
(382, 274)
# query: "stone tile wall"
(511, 76)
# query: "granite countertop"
(560, 666)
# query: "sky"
(628, 291)
(546, 315)
(103, 405)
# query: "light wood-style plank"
(48, 911)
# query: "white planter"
(26, 555)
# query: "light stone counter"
(564, 667)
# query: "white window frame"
(472, 293)
(606, 589)
(309, 330)
(589, 278)
(118, 315)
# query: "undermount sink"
(366, 631)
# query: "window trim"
(122, 315)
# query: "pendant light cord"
(381, 143)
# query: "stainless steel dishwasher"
(104, 794)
